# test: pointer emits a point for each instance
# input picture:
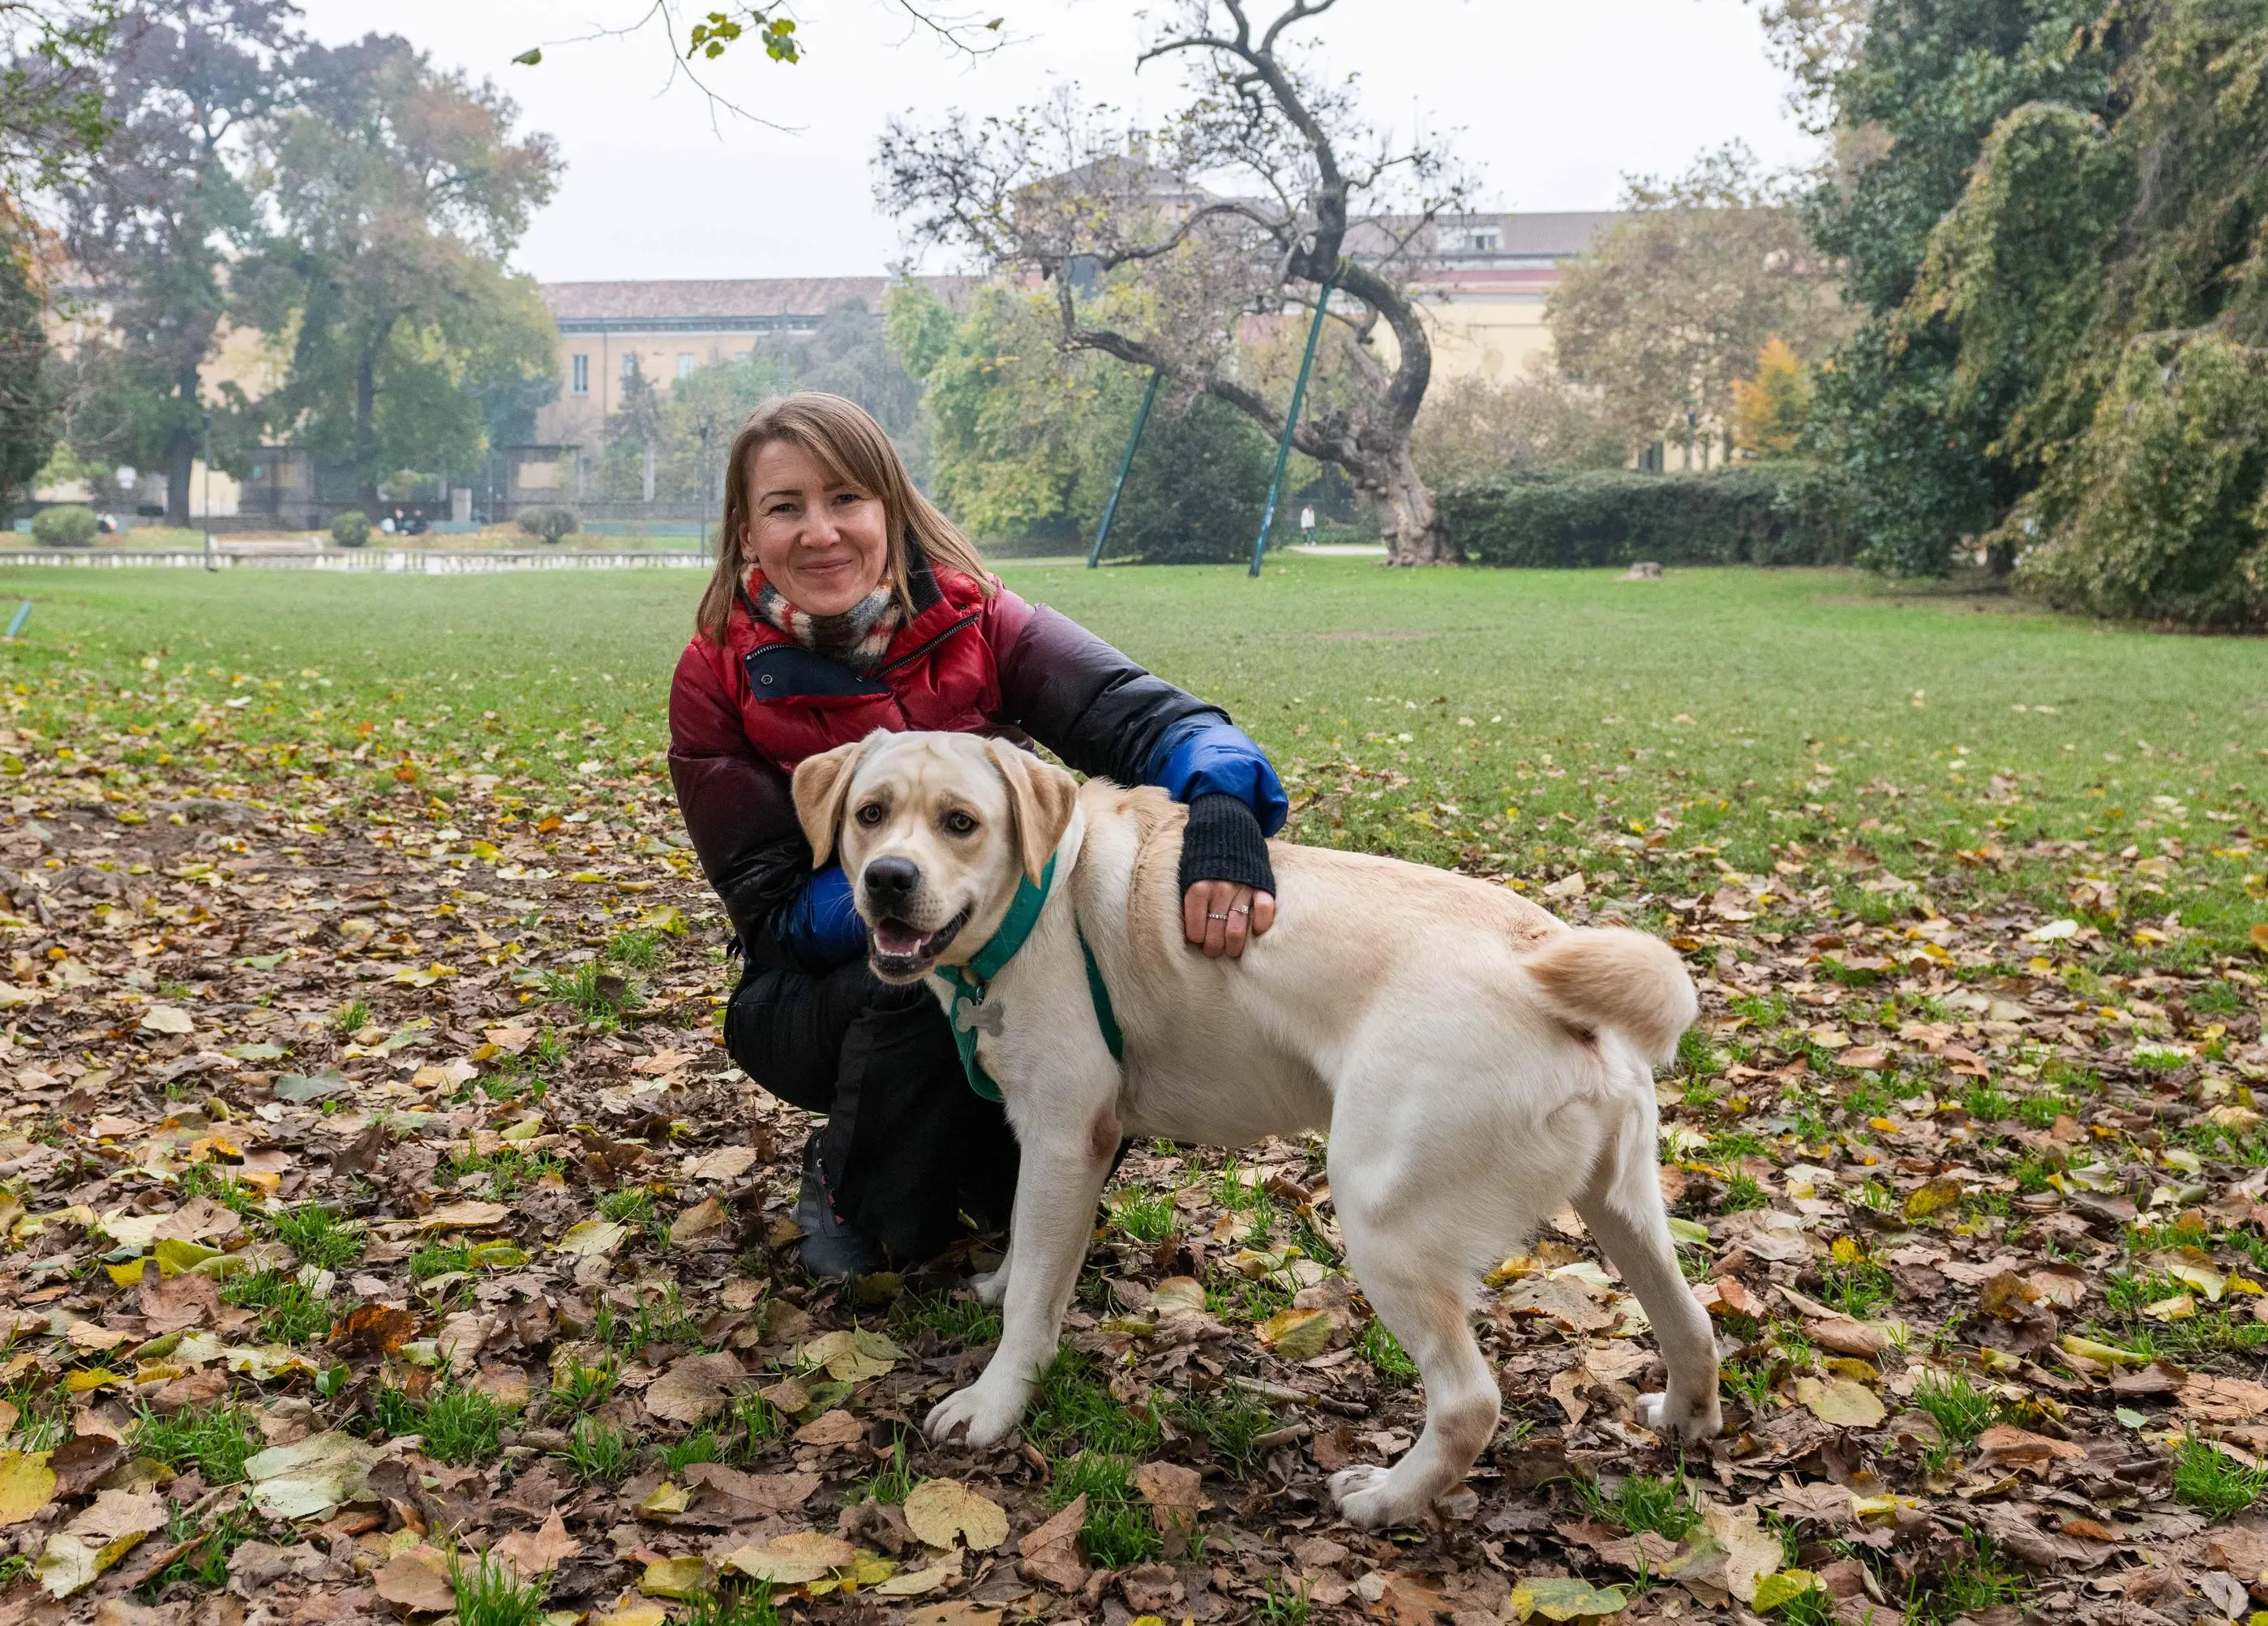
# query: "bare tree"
(1165, 243)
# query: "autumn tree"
(1474, 429)
(51, 103)
(1666, 312)
(399, 189)
(1770, 407)
(157, 225)
(1262, 191)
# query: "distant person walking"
(1308, 524)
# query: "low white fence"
(383, 561)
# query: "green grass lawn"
(1526, 723)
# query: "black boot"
(832, 1246)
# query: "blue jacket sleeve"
(1207, 755)
(820, 925)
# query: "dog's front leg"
(1056, 1189)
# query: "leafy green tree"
(400, 188)
(1196, 491)
(1917, 436)
(1471, 429)
(28, 424)
(156, 224)
(51, 106)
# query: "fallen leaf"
(537, 1552)
(942, 1512)
(166, 1019)
(417, 1580)
(312, 1475)
(695, 1388)
(1565, 1598)
(834, 1428)
(1176, 1496)
(702, 1218)
(674, 1577)
(590, 1238)
(851, 1356)
(919, 1583)
(465, 1217)
(26, 1486)
(1050, 1553)
(1843, 1401)
(793, 1560)
(1297, 1335)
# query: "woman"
(842, 602)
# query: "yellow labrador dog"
(1476, 1062)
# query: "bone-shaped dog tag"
(987, 1016)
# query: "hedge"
(1788, 512)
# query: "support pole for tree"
(1110, 508)
(1292, 420)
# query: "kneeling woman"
(842, 602)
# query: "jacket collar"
(780, 668)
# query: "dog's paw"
(982, 1417)
(1689, 1422)
(991, 1288)
(1367, 1498)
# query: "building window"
(685, 364)
(580, 381)
(1475, 241)
(629, 366)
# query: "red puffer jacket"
(743, 713)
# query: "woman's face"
(823, 545)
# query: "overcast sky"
(1556, 102)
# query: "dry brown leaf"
(945, 1512)
(537, 1552)
(1050, 1553)
(695, 1388)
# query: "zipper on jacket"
(927, 644)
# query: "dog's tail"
(1612, 978)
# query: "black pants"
(908, 1148)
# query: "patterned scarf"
(858, 639)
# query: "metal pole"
(210, 563)
(1292, 420)
(1110, 508)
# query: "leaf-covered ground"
(387, 1234)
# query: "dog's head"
(934, 831)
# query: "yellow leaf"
(1785, 1587)
(1843, 1401)
(851, 1356)
(175, 1257)
(592, 1237)
(128, 1274)
(2104, 1354)
(945, 1512)
(915, 1582)
(26, 1486)
(1297, 1335)
(1942, 1193)
(86, 1380)
(674, 1577)
(795, 1559)
(1561, 1598)
(666, 1498)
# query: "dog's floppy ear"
(820, 784)
(1041, 796)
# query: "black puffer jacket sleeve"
(1094, 708)
(738, 810)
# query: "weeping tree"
(1164, 243)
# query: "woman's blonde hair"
(851, 450)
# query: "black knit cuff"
(1222, 842)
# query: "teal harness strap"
(972, 982)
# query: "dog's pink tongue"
(894, 938)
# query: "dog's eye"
(871, 815)
(958, 823)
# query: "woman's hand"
(1219, 916)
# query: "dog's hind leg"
(1622, 1205)
(1420, 1289)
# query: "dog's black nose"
(891, 880)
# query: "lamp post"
(708, 489)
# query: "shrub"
(1195, 493)
(350, 529)
(2160, 512)
(70, 527)
(1766, 513)
(548, 525)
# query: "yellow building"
(1485, 285)
(666, 330)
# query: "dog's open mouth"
(900, 946)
